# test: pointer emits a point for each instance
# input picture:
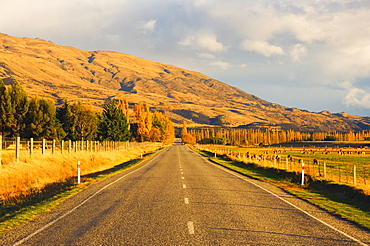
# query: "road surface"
(179, 198)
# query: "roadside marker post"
(78, 172)
(302, 174)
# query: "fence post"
(53, 147)
(69, 146)
(354, 175)
(324, 170)
(43, 145)
(78, 172)
(61, 146)
(1, 147)
(31, 146)
(302, 183)
(17, 148)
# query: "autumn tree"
(162, 128)
(187, 138)
(113, 123)
(143, 124)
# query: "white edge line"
(82, 203)
(291, 204)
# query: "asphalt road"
(179, 198)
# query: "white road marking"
(186, 200)
(184, 186)
(291, 204)
(190, 227)
(182, 173)
(182, 177)
(82, 203)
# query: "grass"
(26, 207)
(344, 201)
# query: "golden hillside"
(60, 72)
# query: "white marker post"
(302, 174)
(78, 172)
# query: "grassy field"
(32, 174)
(342, 165)
(342, 200)
(24, 206)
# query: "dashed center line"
(186, 200)
(182, 177)
(190, 227)
(184, 186)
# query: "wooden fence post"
(31, 146)
(53, 147)
(43, 145)
(324, 170)
(1, 147)
(61, 146)
(17, 148)
(354, 175)
(69, 146)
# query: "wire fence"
(354, 174)
(17, 147)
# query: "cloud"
(357, 97)
(206, 55)
(261, 47)
(297, 52)
(221, 64)
(149, 26)
(204, 41)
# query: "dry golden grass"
(32, 174)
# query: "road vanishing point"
(178, 197)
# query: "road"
(179, 198)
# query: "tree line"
(253, 137)
(38, 117)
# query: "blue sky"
(313, 55)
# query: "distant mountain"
(60, 72)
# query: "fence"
(15, 146)
(338, 172)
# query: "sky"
(308, 54)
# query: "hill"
(60, 72)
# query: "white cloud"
(297, 52)
(261, 47)
(206, 56)
(149, 26)
(357, 97)
(204, 41)
(221, 64)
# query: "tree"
(78, 121)
(18, 108)
(186, 137)
(6, 113)
(113, 123)
(41, 121)
(143, 122)
(162, 128)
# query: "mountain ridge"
(60, 72)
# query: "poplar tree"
(143, 121)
